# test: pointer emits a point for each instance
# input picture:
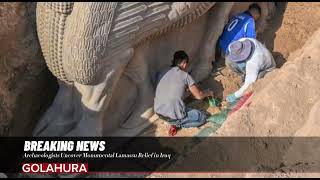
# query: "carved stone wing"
(79, 38)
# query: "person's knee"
(195, 118)
(201, 116)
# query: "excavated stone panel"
(88, 47)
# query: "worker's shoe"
(173, 130)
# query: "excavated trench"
(222, 80)
(285, 104)
(287, 32)
(283, 35)
(41, 92)
(280, 40)
(271, 116)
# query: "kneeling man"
(250, 59)
(171, 87)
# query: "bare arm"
(198, 94)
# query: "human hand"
(231, 98)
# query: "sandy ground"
(295, 22)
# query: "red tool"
(241, 102)
(173, 130)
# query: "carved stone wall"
(27, 88)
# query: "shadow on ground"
(268, 36)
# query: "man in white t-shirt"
(250, 58)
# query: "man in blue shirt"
(240, 26)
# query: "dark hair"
(179, 57)
(255, 7)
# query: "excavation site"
(90, 69)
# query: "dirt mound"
(293, 24)
(301, 20)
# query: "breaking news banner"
(149, 155)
